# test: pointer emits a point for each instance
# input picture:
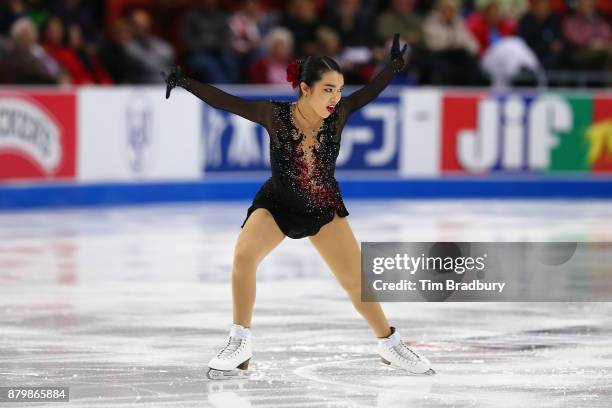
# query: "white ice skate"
(394, 352)
(233, 360)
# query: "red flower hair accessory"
(293, 74)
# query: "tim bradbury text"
(449, 284)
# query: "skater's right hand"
(176, 78)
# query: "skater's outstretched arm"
(254, 110)
(371, 90)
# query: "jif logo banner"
(543, 133)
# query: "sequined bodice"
(303, 165)
(308, 142)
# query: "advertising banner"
(431, 132)
(541, 134)
(37, 135)
(108, 134)
(370, 140)
(134, 133)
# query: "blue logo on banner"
(370, 140)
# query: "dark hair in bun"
(310, 70)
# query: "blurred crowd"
(451, 42)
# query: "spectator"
(589, 36)
(353, 22)
(114, 56)
(10, 11)
(207, 37)
(444, 29)
(511, 61)
(74, 12)
(512, 9)
(541, 30)
(246, 36)
(488, 24)
(150, 53)
(75, 59)
(329, 44)
(271, 68)
(88, 58)
(248, 25)
(26, 62)
(453, 48)
(301, 19)
(400, 19)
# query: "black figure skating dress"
(302, 194)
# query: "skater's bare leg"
(340, 250)
(259, 236)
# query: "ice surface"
(127, 305)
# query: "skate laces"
(233, 344)
(406, 353)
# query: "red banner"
(37, 135)
(602, 129)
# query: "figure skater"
(302, 197)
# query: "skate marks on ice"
(116, 345)
(561, 364)
(471, 376)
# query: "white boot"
(394, 352)
(233, 359)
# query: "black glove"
(176, 78)
(397, 56)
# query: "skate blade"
(391, 365)
(213, 374)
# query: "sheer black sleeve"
(371, 90)
(258, 111)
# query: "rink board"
(120, 145)
(66, 195)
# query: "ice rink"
(126, 306)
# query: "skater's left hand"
(397, 56)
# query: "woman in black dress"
(302, 197)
